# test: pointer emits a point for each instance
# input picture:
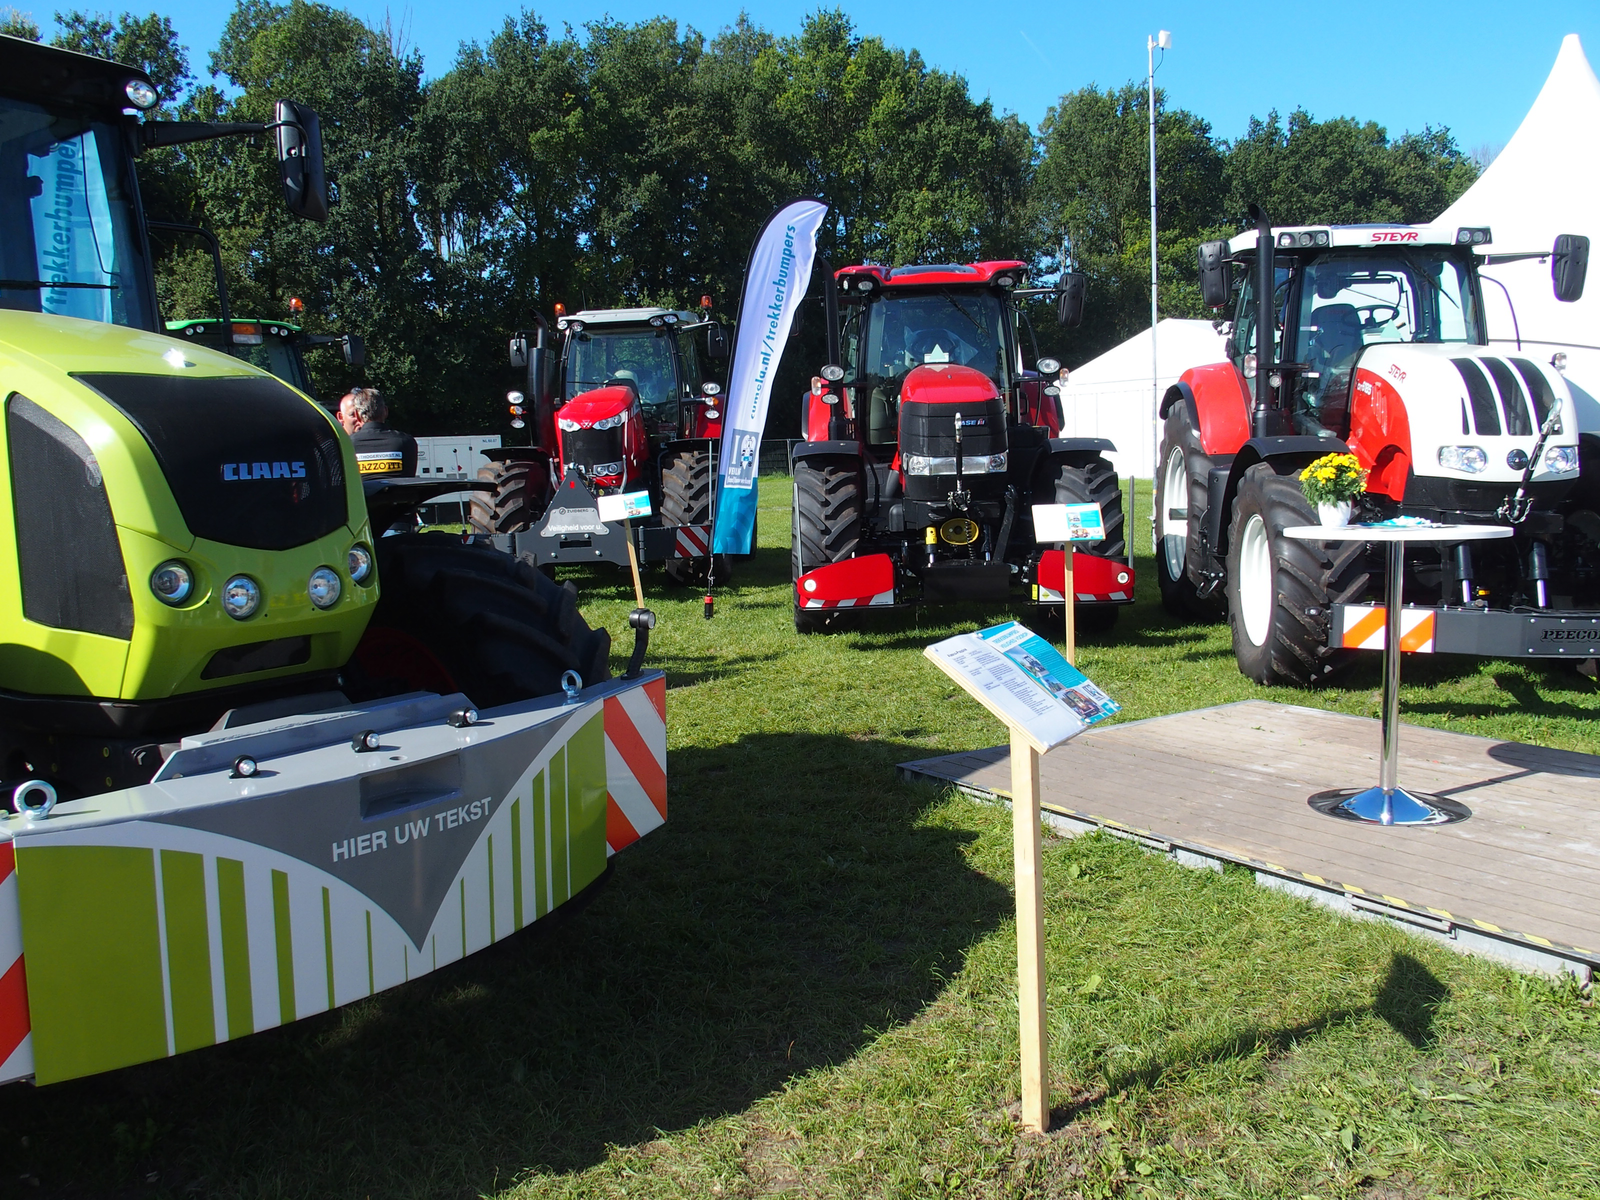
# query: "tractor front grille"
(249, 461)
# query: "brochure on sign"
(1024, 681)
(624, 506)
(1055, 523)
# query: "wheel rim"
(1254, 585)
(1174, 532)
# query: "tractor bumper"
(1095, 580)
(203, 906)
(1487, 633)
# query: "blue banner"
(774, 284)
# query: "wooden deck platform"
(1518, 881)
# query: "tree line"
(633, 164)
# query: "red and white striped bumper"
(1095, 580)
(636, 763)
(16, 1042)
(865, 582)
(691, 541)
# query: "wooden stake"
(1026, 841)
(633, 562)
(1071, 606)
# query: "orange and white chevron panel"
(16, 1040)
(1364, 628)
(636, 763)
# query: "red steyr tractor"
(625, 408)
(926, 444)
(1370, 340)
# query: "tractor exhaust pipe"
(1266, 321)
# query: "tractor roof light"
(140, 94)
(1470, 459)
(658, 322)
(241, 597)
(1005, 281)
(670, 318)
(1474, 236)
(866, 283)
(172, 583)
(324, 587)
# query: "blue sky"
(1470, 64)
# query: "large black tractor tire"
(1180, 505)
(522, 491)
(1086, 479)
(687, 476)
(829, 501)
(471, 619)
(1281, 590)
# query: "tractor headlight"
(615, 422)
(324, 587)
(997, 463)
(241, 596)
(945, 464)
(1463, 458)
(172, 582)
(567, 425)
(917, 464)
(1561, 458)
(359, 560)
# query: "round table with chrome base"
(1389, 803)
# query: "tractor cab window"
(276, 357)
(1351, 301)
(639, 358)
(689, 364)
(1244, 324)
(69, 242)
(900, 331)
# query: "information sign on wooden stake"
(1066, 524)
(1044, 700)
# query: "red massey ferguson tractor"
(926, 445)
(625, 408)
(1370, 340)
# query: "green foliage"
(633, 163)
(18, 24)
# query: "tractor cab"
(1340, 289)
(276, 347)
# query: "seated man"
(380, 450)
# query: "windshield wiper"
(956, 304)
(36, 284)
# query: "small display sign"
(1053, 523)
(1024, 680)
(624, 506)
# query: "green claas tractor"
(259, 764)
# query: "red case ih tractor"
(626, 408)
(1375, 345)
(926, 444)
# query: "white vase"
(1334, 516)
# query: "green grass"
(804, 983)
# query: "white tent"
(1112, 397)
(1546, 182)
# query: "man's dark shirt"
(381, 450)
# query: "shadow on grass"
(793, 906)
(1407, 1001)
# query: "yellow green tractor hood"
(131, 456)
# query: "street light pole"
(1163, 42)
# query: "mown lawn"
(804, 984)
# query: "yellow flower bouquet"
(1333, 479)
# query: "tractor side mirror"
(716, 343)
(305, 182)
(1569, 264)
(1074, 289)
(519, 350)
(355, 350)
(1216, 274)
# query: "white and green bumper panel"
(201, 907)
